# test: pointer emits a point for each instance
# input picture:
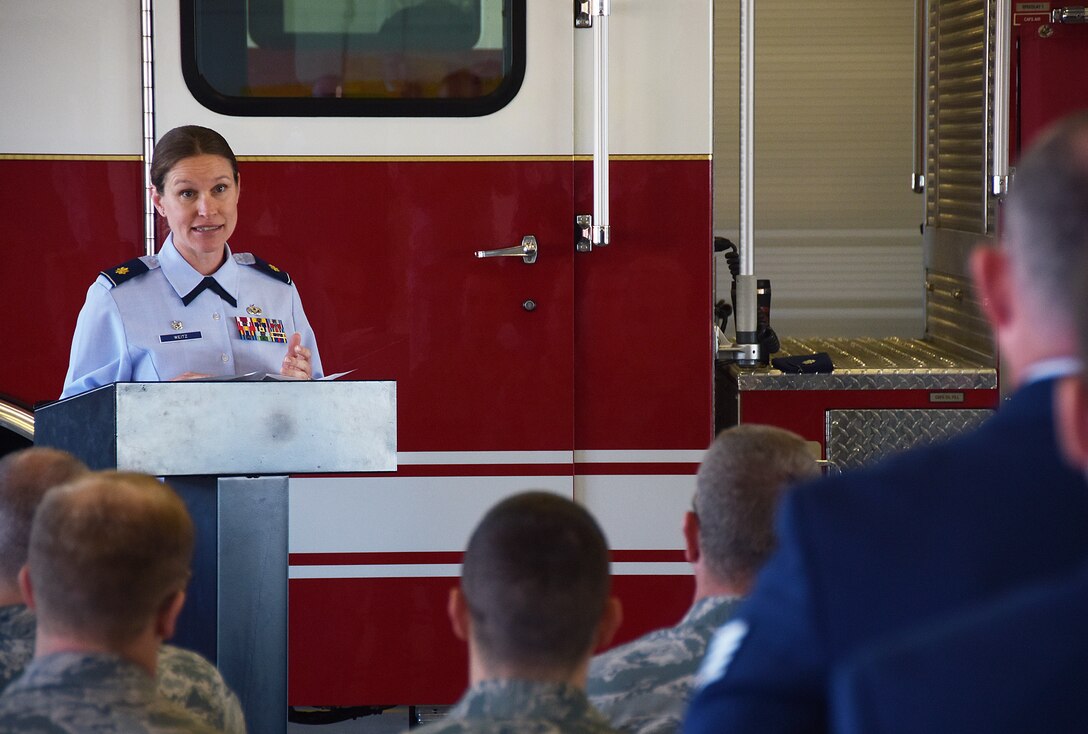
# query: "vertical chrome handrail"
(1000, 139)
(921, 54)
(601, 232)
(148, 103)
(746, 282)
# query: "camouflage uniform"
(188, 679)
(524, 707)
(644, 686)
(184, 677)
(84, 692)
(17, 628)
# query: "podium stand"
(227, 448)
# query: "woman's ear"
(156, 201)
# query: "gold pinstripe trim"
(397, 158)
(460, 158)
(661, 157)
(66, 157)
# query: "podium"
(227, 448)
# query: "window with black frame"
(354, 57)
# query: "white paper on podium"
(265, 377)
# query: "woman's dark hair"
(185, 142)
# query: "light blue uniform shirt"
(140, 331)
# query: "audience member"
(106, 570)
(183, 676)
(1003, 667)
(533, 604)
(875, 553)
(25, 476)
(644, 686)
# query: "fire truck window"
(354, 57)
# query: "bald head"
(738, 487)
(107, 551)
(1046, 221)
(25, 477)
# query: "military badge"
(261, 329)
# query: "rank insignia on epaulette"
(271, 270)
(126, 271)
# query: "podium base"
(236, 609)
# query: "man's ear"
(1071, 417)
(457, 609)
(611, 618)
(26, 587)
(692, 551)
(993, 284)
(166, 619)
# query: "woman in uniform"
(196, 309)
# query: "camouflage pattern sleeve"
(189, 680)
(17, 628)
(643, 686)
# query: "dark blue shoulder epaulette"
(270, 270)
(126, 271)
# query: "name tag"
(179, 337)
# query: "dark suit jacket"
(1007, 667)
(876, 552)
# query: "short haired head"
(1051, 184)
(185, 142)
(25, 477)
(738, 488)
(107, 551)
(535, 579)
(1046, 217)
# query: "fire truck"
(472, 206)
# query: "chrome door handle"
(526, 251)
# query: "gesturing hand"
(296, 363)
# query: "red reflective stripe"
(453, 557)
(375, 559)
(529, 470)
(627, 469)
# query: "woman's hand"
(188, 376)
(297, 361)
